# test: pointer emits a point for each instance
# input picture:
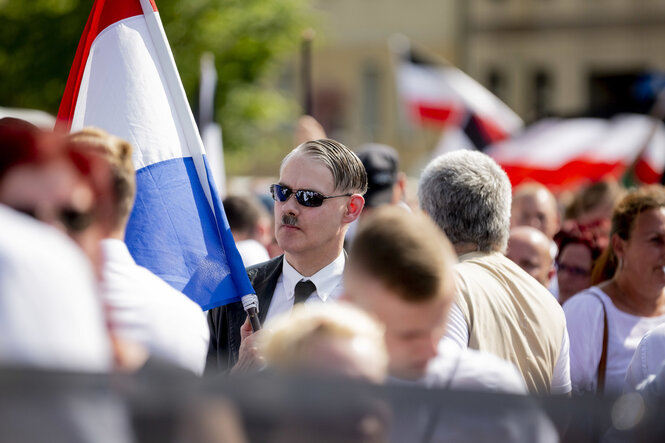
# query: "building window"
(542, 93)
(496, 83)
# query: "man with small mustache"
(319, 193)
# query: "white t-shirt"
(474, 371)
(252, 252)
(584, 316)
(457, 332)
(647, 359)
(145, 309)
(468, 369)
(328, 282)
(50, 311)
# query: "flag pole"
(306, 70)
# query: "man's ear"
(399, 188)
(354, 208)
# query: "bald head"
(530, 249)
(534, 205)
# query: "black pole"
(306, 71)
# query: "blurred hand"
(249, 359)
(308, 128)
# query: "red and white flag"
(563, 153)
(444, 96)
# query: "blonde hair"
(118, 154)
(286, 340)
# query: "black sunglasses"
(311, 199)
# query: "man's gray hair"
(468, 195)
(348, 172)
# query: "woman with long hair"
(607, 321)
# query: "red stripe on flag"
(436, 114)
(568, 175)
(493, 133)
(104, 13)
(645, 172)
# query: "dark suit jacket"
(225, 321)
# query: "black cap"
(382, 166)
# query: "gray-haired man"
(499, 308)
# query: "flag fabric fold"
(444, 96)
(125, 81)
(563, 153)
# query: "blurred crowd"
(478, 286)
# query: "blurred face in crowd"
(413, 329)
(573, 270)
(57, 194)
(538, 210)
(643, 254)
(530, 249)
(310, 231)
(48, 192)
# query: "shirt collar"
(475, 254)
(326, 280)
(116, 250)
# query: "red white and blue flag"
(125, 81)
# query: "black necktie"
(303, 290)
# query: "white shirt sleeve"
(457, 331)
(636, 369)
(561, 376)
(584, 318)
(647, 359)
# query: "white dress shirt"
(145, 309)
(328, 282)
(50, 310)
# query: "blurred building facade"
(565, 57)
(354, 93)
(541, 57)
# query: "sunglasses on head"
(311, 199)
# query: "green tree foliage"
(247, 37)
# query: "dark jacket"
(225, 321)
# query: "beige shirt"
(511, 315)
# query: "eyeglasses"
(73, 220)
(311, 199)
(575, 271)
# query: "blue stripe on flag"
(172, 232)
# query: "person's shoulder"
(484, 371)
(591, 298)
(657, 333)
(476, 370)
(30, 244)
(262, 269)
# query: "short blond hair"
(286, 340)
(118, 154)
